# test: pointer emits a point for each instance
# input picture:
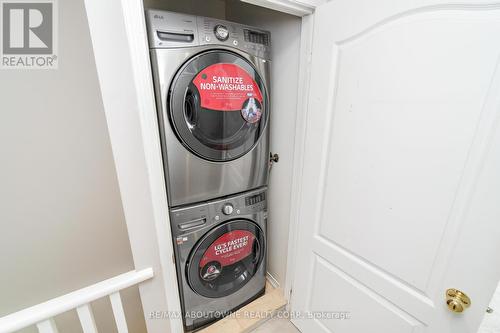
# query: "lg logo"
(28, 28)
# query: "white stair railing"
(42, 315)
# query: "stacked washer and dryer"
(212, 90)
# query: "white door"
(400, 195)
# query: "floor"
(491, 321)
(277, 325)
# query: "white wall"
(211, 8)
(285, 39)
(60, 209)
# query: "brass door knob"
(457, 300)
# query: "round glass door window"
(226, 258)
(218, 105)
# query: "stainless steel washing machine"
(212, 90)
(220, 249)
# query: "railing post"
(47, 326)
(117, 306)
(86, 318)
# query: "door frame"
(121, 54)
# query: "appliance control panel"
(173, 30)
(249, 39)
(244, 204)
(247, 205)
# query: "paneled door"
(400, 189)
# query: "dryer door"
(226, 258)
(218, 105)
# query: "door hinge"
(173, 258)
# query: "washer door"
(218, 105)
(226, 258)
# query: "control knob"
(221, 32)
(227, 209)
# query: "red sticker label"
(228, 87)
(229, 248)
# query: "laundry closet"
(285, 32)
(229, 178)
(200, 175)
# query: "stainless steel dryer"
(220, 249)
(212, 91)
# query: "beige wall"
(62, 224)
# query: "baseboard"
(272, 280)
